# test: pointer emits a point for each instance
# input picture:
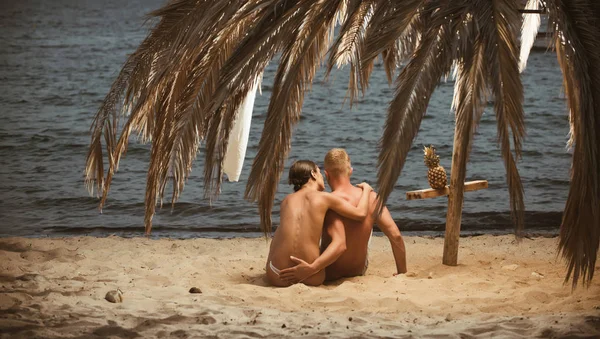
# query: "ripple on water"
(60, 58)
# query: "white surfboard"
(238, 138)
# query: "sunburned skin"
(301, 222)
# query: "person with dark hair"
(355, 234)
(302, 215)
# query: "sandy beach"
(55, 288)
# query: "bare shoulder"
(373, 201)
(373, 196)
(345, 195)
(342, 195)
(339, 193)
(319, 195)
(286, 200)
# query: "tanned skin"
(356, 235)
(301, 225)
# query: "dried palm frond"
(394, 32)
(296, 71)
(498, 21)
(166, 87)
(432, 59)
(279, 22)
(470, 94)
(390, 21)
(347, 48)
(576, 26)
(187, 80)
(203, 73)
(124, 91)
(174, 95)
(399, 52)
(351, 32)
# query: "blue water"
(59, 58)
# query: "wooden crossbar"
(533, 11)
(433, 193)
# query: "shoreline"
(55, 287)
(172, 233)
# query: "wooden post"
(452, 218)
(456, 195)
(455, 192)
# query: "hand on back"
(365, 186)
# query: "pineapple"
(436, 175)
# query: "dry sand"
(55, 288)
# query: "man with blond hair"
(354, 260)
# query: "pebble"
(195, 290)
(537, 275)
(115, 296)
(512, 267)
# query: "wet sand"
(55, 288)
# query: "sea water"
(59, 58)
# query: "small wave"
(58, 46)
(252, 230)
(49, 149)
(42, 137)
(172, 229)
(531, 153)
(8, 147)
(66, 202)
(57, 101)
(473, 221)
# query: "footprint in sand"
(29, 253)
(32, 277)
(538, 296)
(357, 321)
(335, 301)
(7, 302)
(59, 254)
(35, 256)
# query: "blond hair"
(337, 162)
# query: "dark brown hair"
(300, 173)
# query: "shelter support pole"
(435, 193)
(462, 138)
(455, 197)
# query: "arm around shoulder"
(346, 209)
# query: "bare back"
(301, 224)
(352, 261)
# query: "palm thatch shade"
(186, 81)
